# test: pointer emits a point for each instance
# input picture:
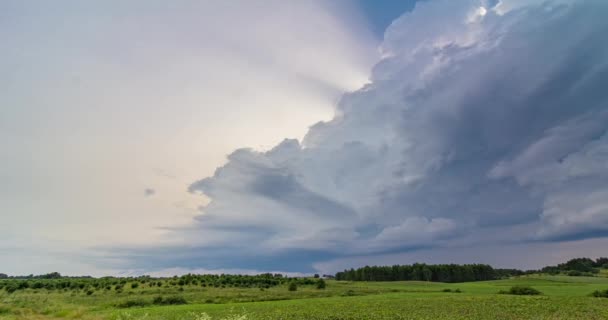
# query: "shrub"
(458, 290)
(349, 293)
(169, 300)
(133, 303)
(600, 294)
(575, 273)
(521, 291)
(89, 292)
(293, 286)
(321, 284)
(11, 287)
(446, 290)
(134, 285)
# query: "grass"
(562, 297)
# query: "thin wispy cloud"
(99, 98)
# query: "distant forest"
(465, 273)
(426, 272)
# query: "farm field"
(562, 297)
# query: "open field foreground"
(562, 297)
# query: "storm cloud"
(484, 122)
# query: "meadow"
(563, 297)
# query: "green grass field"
(563, 298)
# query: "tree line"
(424, 272)
(415, 272)
(466, 272)
(578, 267)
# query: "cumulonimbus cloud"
(478, 117)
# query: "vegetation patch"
(175, 300)
(293, 286)
(600, 293)
(521, 291)
(321, 284)
(133, 303)
(4, 310)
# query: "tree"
(578, 264)
(427, 274)
(601, 263)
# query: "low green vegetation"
(563, 297)
(521, 291)
(600, 293)
(555, 296)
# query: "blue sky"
(142, 137)
(381, 13)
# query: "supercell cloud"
(484, 122)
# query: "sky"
(147, 137)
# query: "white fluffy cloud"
(480, 124)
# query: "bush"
(349, 293)
(446, 290)
(600, 294)
(134, 285)
(169, 300)
(458, 290)
(293, 286)
(11, 287)
(574, 273)
(521, 291)
(133, 303)
(321, 284)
